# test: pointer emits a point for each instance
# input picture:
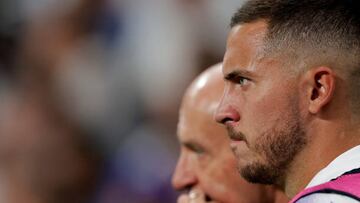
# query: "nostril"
(208, 198)
(230, 115)
(221, 118)
(225, 120)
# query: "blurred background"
(90, 91)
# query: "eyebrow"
(233, 74)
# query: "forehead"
(199, 127)
(245, 43)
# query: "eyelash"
(241, 80)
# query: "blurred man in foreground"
(206, 167)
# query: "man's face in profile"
(206, 160)
(260, 107)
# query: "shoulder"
(327, 198)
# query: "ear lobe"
(322, 83)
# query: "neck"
(324, 145)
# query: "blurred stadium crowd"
(89, 94)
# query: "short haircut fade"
(316, 32)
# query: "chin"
(259, 173)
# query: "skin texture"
(279, 119)
(268, 143)
(206, 168)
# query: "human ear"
(320, 88)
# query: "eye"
(195, 148)
(237, 78)
(198, 150)
(242, 80)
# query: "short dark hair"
(315, 32)
(297, 11)
(335, 23)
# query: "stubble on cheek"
(275, 149)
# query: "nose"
(226, 114)
(184, 176)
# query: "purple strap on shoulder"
(348, 185)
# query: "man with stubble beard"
(291, 99)
(206, 168)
